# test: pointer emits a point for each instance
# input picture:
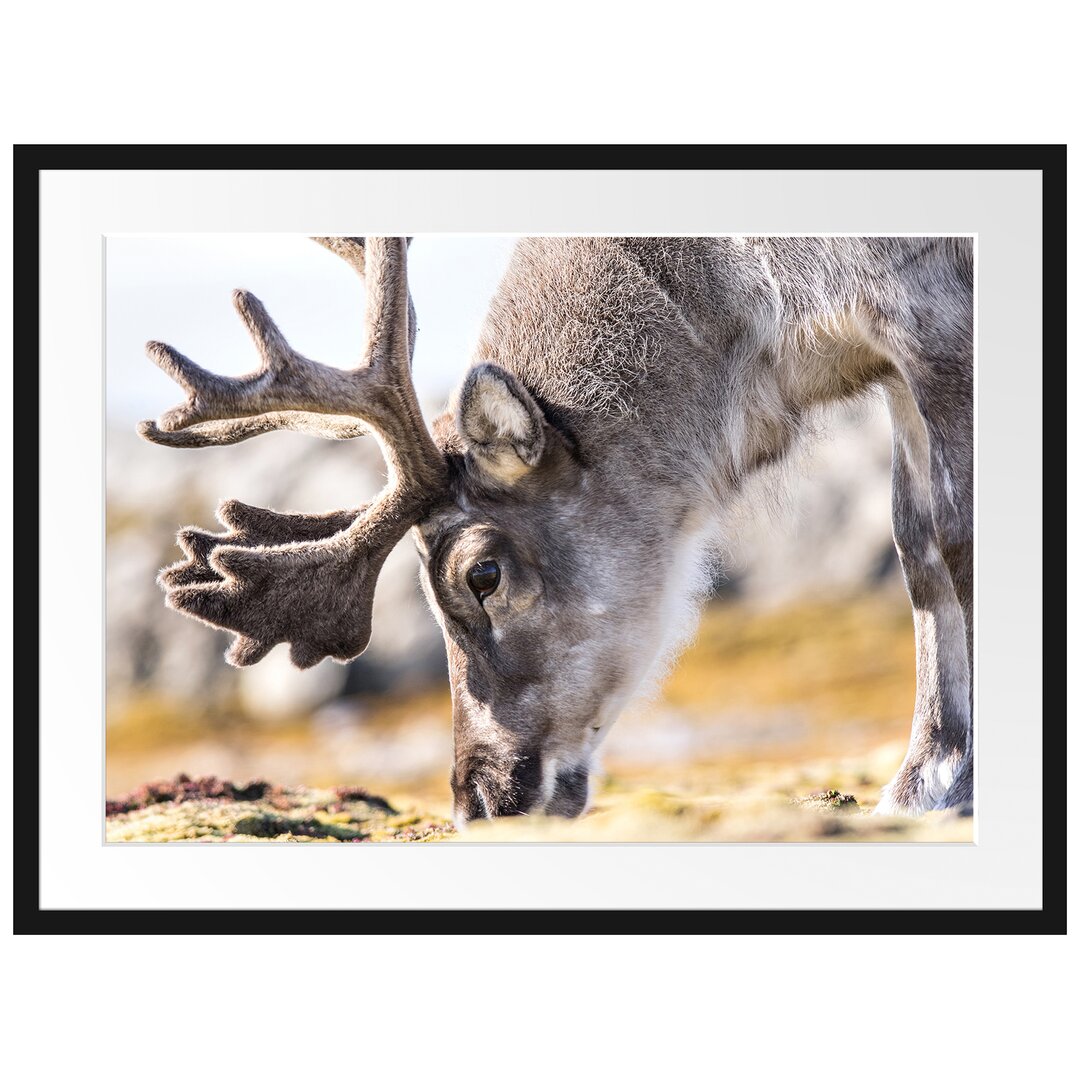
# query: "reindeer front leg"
(940, 732)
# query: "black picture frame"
(31, 160)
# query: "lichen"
(211, 810)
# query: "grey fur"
(623, 390)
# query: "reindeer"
(623, 390)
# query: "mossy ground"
(763, 806)
(262, 811)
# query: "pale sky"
(177, 289)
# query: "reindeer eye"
(483, 578)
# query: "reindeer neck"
(679, 364)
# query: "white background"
(815, 73)
(1002, 872)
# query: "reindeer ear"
(500, 423)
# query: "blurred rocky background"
(153, 490)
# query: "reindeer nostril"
(571, 793)
(527, 775)
(491, 788)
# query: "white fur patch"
(672, 630)
(938, 776)
(549, 768)
(506, 414)
(687, 587)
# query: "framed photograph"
(597, 532)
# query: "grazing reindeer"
(623, 390)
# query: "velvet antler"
(304, 578)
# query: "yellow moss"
(287, 816)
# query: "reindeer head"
(524, 553)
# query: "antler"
(305, 579)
